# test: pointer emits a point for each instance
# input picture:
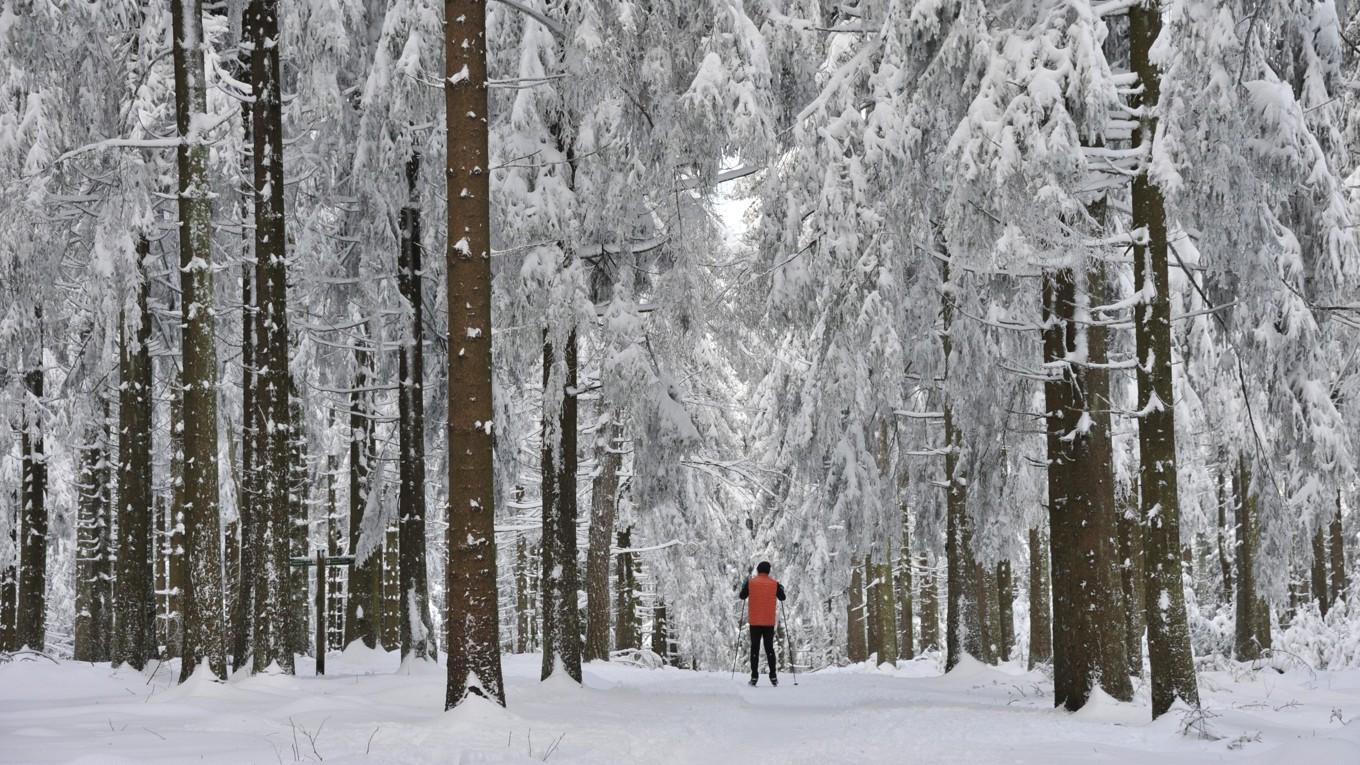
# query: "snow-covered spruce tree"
(1048, 103)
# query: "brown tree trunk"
(1088, 624)
(561, 617)
(930, 606)
(202, 598)
(1247, 642)
(89, 546)
(417, 636)
(857, 643)
(132, 583)
(389, 632)
(32, 616)
(1005, 593)
(1321, 592)
(1169, 650)
(523, 607)
(364, 576)
(473, 643)
(603, 512)
(1131, 582)
(1040, 616)
(906, 641)
(627, 630)
(1225, 563)
(9, 577)
(1338, 558)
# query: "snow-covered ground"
(367, 711)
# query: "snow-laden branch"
(538, 16)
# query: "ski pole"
(793, 660)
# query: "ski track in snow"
(83, 713)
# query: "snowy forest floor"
(366, 710)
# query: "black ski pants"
(759, 633)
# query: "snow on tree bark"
(417, 627)
(473, 643)
(1169, 650)
(603, 512)
(31, 625)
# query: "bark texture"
(603, 514)
(1169, 651)
(473, 643)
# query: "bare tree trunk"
(1169, 650)
(886, 611)
(9, 577)
(202, 599)
(176, 567)
(90, 551)
(473, 643)
(561, 617)
(1339, 582)
(871, 603)
(603, 512)
(660, 632)
(364, 577)
(1131, 581)
(417, 627)
(130, 644)
(1005, 592)
(523, 609)
(389, 632)
(627, 632)
(1040, 617)
(1225, 562)
(275, 507)
(1319, 571)
(857, 644)
(1088, 624)
(1247, 642)
(32, 621)
(906, 642)
(930, 606)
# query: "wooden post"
(321, 573)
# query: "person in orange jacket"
(760, 592)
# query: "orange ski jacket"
(760, 592)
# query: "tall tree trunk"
(886, 612)
(275, 506)
(1225, 561)
(561, 617)
(9, 576)
(1319, 571)
(660, 634)
(627, 632)
(962, 611)
(1040, 617)
(871, 603)
(603, 512)
(1169, 650)
(906, 641)
(335, 603)
(930, 606)
(1247, 641)
(1131, 582)
(364, 576)
(299, 527)
(177, 568)
(389, 632)
(1005, 592)
(90, 515)
(857, 644)
(130, 644)
(32, 622)
(417, 627)
(202, 599)
(1088, 624)
(1338, 558)
(473, 643)
(243, 625)
(523, 601)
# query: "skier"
(760, 591)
